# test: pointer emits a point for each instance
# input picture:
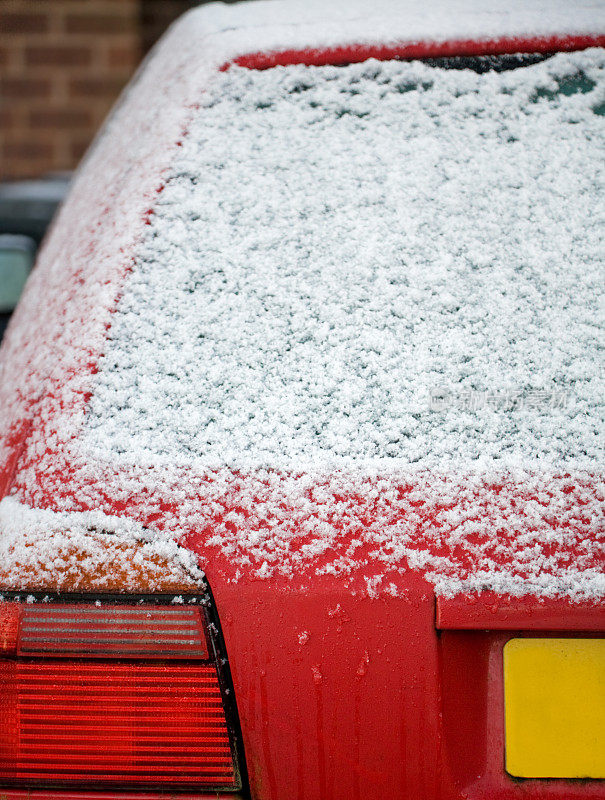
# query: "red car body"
(343, 689)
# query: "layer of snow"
(538, 531)
(335, 245)
(266, 25)
(517, 532)
(60, 549)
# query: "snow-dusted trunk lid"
(348, 322)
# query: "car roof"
(231, 32)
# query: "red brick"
(100, 112)
(104, 86)
(26, 150)
(59, 118)
(99, 23)
(78, 148)
(63, 78)
(24, 87)
(58, 55)
(15, 22)
(7, 117)
(123, 57)
(18, 169)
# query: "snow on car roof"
(268, 26)
(519, 412)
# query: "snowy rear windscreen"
(380, 263)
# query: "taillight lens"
(111, 695)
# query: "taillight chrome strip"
(78, 611)
(63, 630)
(124, 641)
(138, 624)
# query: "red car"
(301, 419)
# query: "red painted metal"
(489, 611)
(360, 697)
(355, 53)
(15, 446)
(472, 706)
(56, 794)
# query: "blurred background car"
(26, 209)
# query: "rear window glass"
(385, 262)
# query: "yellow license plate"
(554, 696)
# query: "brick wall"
(62, 65)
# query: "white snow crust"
(65, 548)
(495, 483)
(269, 26)
(333, 245)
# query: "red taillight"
(9, 628)
(110, 695)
